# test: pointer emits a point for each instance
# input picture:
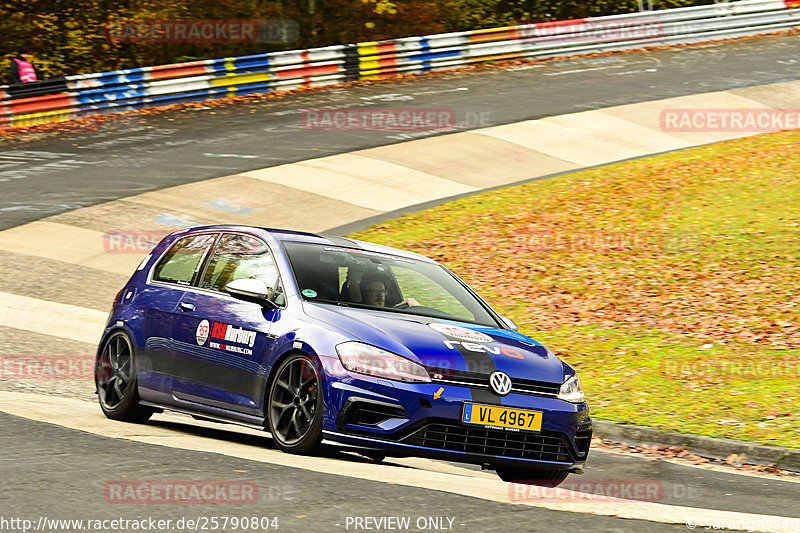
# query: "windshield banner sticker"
(368, 253)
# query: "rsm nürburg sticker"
(202, 332)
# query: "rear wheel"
(115, 379)
(295, 406)
(530, 476)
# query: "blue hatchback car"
(323, 339)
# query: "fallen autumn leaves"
(689, 258)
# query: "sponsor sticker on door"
(202, 332)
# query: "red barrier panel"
(387, 57)
(307, 71)
(385, 48)
(180, 70)
(49, 102)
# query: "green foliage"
(475, 14)
(70, 36)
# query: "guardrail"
(75, 96)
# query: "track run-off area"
(67, 199)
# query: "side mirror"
(510, 324)
(250, 290)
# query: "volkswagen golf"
(323, 340)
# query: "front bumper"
(424, 419)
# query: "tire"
(294, 409)
(542, 478)
(115, 380)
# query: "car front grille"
(475, 380)
(491, 442)
(529, 386)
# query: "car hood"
(445, 346)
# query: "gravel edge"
(709, 447)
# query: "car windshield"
(373, 280)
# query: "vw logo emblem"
(500, 383)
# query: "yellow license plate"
(494, 415)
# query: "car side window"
(239, 257)
(182, 261)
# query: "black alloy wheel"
(295, 406)
(115, 379)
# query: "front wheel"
(295, 406)
(115, 379)
(529, 476)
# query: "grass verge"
(671, 282)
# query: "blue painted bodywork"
(175, 370)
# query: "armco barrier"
(75, 96)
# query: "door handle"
(186, 306)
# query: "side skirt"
(257, 423)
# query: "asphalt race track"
(140, 154)
(291, 487)
(301, 499)
(61, 454)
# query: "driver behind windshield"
(373, 291)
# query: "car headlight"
(571, 390)
(372, 361)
